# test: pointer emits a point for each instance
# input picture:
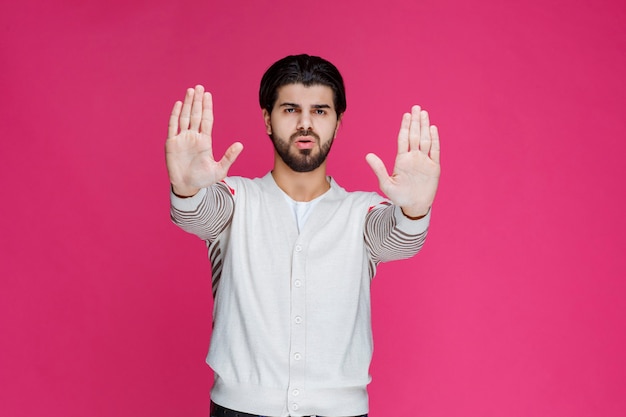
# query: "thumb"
(231, 155)
(378, 166)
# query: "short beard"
(302, 161)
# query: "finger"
(434, 146)
(403, 135)
(186, 110)
(425, 141)
(196, 108)
(172, 129)
(230, 156)
(414, 128)
(378, 166)
(206, 124)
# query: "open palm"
(413, 183)
(189, 147)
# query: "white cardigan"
(292, 332)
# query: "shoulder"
(242, 187)
(356, 196)
(358, 200)
(242, 183)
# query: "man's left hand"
(415, 178)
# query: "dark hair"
(301, 69)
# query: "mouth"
(305, 142)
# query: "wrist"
(414, 214)
(184, 192)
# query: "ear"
(267, 117)
(338, 124)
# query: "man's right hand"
(189, 148)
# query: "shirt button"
(295, 406)
(297, 356)
(298, 319)
(297, 283)
(295, 392)
(298, 248)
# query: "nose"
(304, 122)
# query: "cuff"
(188, 203)
(413, 227)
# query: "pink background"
(514, 308)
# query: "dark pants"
(219, 411)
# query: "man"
(293, 253)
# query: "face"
(302, 125)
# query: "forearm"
(391, 235)
(206, 214)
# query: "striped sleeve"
(206, 214)
(389, 235)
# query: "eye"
(320, 112)
(290, 110)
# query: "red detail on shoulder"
(232, 190)
(382, 203)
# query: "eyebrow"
(315, 106)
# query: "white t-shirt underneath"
(302, 209)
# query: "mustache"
(307, 132)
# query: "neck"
(300, 186)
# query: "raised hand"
(415, 178)
(189, 147)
